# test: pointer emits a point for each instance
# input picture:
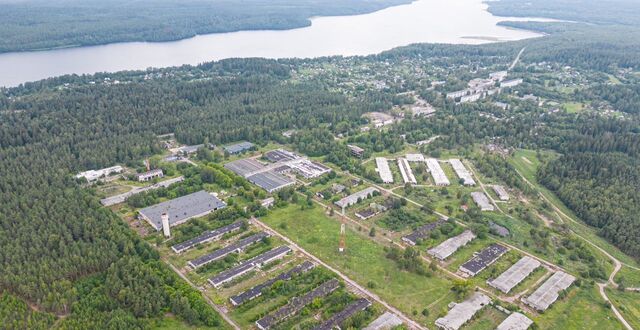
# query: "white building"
(93, 175)
(150, 175)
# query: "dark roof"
(256, 291)
(207, 236)
(247, 265)
(338, 318)
(296, 304)
(238, 147)
(483, 259)
(182, 208)
(279, 155)
(223, 252)
(422, 231)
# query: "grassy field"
(631, 277)
(628, 303)
(363, 261)
(573, 107)
(583, 308)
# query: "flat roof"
(436, 172)
(296, 304)
(238, 147)
(515, 274)
(382, 166)
(387, 320)
(501, 192)
(244, 167)
(270, 181)
(256, 291)
(231, 248)
(482, 201)
(515, 321)
(462, 312)
(548, 292)
(405, 171)
(448, 247)
(280, 155)
(248, 265)
(462, 172)
(353, 198)
(484, 259)
(415, 157)
(207, 236)
(338, 318)
(182, 208)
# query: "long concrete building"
(406, 172)
(482, 201)
(382, 166)
(463, 312)
(462, 172)
(181, 209)
(437, 173)
(549, 291)
(451, 245)
(515, 321)
(515, 274)
(358, 196)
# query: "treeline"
(33, 25)
(54, 234)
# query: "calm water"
(432, 21)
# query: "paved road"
(410, 322)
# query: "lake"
(423, 21)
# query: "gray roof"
(270, 181)
(548, 292)
(385, 321)
(338, 318)
(463, 312)
(248, 265)
(207, 236)
(238, 147)
(483, 259)
(244, 167)
(182, 208)
(515, 274)
(515, 321)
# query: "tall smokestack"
(165, 225)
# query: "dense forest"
(35, 24)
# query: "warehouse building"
(208, 236)
(462, 172)
(239, 147)
(236, 247)
(280, 155)
(382, 166)
(501, 192)
(149, 175)
(451, 245)
(463, 312)
(355, 150)
(93, 175)
(271, 181)
(245, 167)
(437, 173)
(386, 321)
(511, 83)
(297, 304)
(181, 209)
(482, 201)
(249, 265)
(483, 259)
(548, 292)
(515, 321)
(188, 150)
(256, 291)
(515, 274)
(338, 318)
(358, 196)
(308, 169)
(406, 172)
